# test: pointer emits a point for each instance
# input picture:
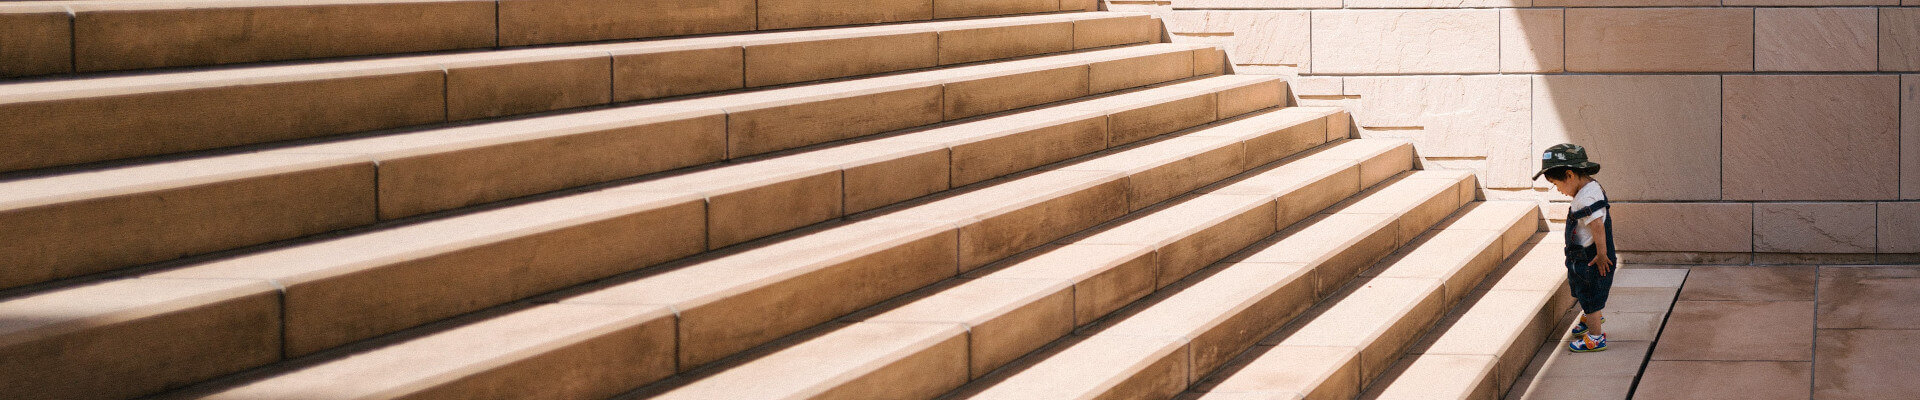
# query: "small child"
(1589, 247)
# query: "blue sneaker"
(1588, 344)
(1582, 326)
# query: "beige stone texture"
(67, 126)
(133, 337)
(1255, 97)
(528, 86)
(1626, 3)
(1209, 243)
(1188, 172)
(1254, 4)
(35, 40)
(1105, 277)
(735, 216)
(1773, 125)
(648, 75)
(527, 22)
(116, 36)
(921, 171)
(1560, 374)
(1435, 376)
(110, 219)
(1899, 227)
(1814, 227)
(1133, 125)
(1310, 199)
(1457, 258)
(1267, 38)
(1910, 137)
(1533, 40)
(1318, 372)
(1079, 5)
(1725, 380)
(1814, 39)
(1294, 138)
(992, 43)
(790, 124)
(1210, 61)
(1868, 297)
(1406, 41)
(1097, 367)
(561, 156)
(1222, 311)
(977, 8)
(784, 14)
(837, 361)
(1004, 318)
(1698, 227)
(1749, 283)
(1649, 132)
(1007, 92)
(1504, 324)
(1899, 39)
(342, 290)
(1006, 234)
(1107, 76)
(1103, 32)
(563, 350)
(1864, 364)
(1659, 39)
(808, 60)
(1454, 116)
(1027, 148)
(1702, 330)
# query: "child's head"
(1567, 180)
(1565, 165)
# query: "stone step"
(1336, 348)
(342, 290)
(91, 36)
(102, 220)
(999, 312)
(730, 301)
(1162, 344)
(62, 122)
(1480, 348)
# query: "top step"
(41, 38)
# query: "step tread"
(708, 283)
(1192, 308)
(847, 353)
(122, 84)
(421, 364)
(1327, 351)
(1486, 341)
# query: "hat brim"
(1588, 167)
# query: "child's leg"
(1594, 321)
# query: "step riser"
(327, 312)
(714, 329)
(1358, 367)
(109, 37)
(196, 344)
(409, 184)
(382, 95)
(73, 239)
(1216, 344)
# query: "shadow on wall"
(1733, 129)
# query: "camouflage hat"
(1566, 155)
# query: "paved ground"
(1751, 333)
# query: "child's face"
(1567, 186)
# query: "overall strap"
(1584, 212)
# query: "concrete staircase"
(555, 199)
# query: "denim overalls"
(1589, 287)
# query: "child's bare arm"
(1601, 261)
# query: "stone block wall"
(1733, 131)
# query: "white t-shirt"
(1587, 195)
